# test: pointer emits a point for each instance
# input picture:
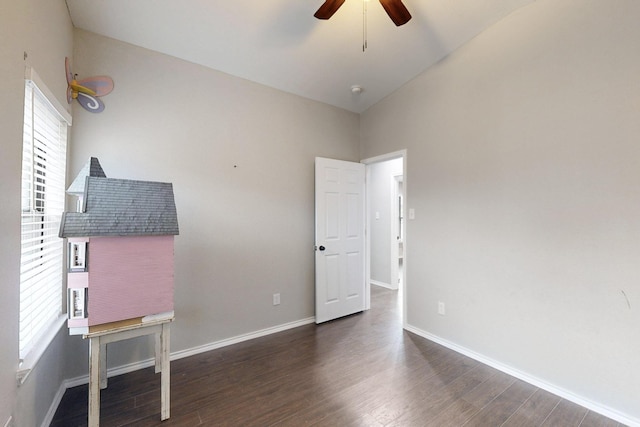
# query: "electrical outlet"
(276, 299)
(441, 309)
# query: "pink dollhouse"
(120, 253)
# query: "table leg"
(158, 343)
(94, 382)
(165, 374)
(103, 366)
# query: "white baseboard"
(240, 338)
(48, 418)
(531, 379)
(383, 285)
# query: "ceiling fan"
(394, 8)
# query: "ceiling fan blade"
(328, 8)
(396, 11)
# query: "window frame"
(33, 202)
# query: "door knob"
(322, 248)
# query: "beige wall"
(43, 30)
(241, 159)
(524, 171)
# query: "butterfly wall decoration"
(87, 91)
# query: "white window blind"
(43, 194)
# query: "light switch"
(377, 215)
(412, 214)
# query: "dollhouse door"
(340, 239)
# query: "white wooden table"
(101, 335)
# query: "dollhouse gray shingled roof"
(122, 207)
(91, 168)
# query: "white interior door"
(340, 240)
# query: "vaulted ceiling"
(280, 44)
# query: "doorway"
(386, 236)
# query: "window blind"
(43, 196)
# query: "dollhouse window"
(77, 303)
(77, 256)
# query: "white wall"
(380, 191)
(524, 171)
(41, 28)
(241, 159)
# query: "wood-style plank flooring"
(362, 370)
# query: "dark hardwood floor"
(363, 370)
